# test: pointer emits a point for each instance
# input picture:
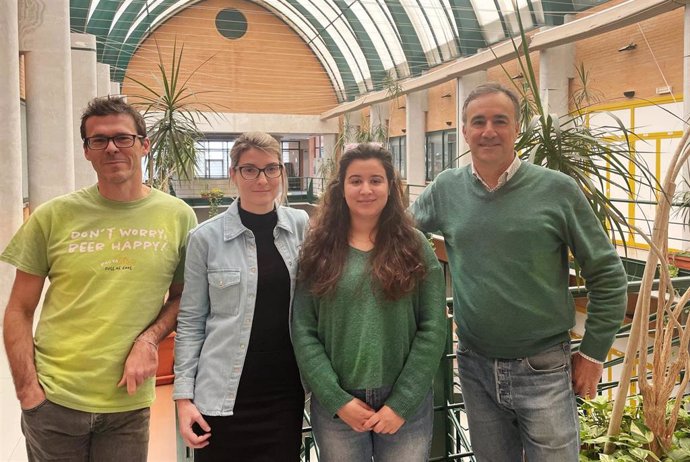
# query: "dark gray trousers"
(56, 433)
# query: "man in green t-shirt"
(508, 226)
(85, 379)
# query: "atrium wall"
(268, 70)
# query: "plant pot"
(166, 360)
(440, 249)
(680, 261)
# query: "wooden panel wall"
(268, 70)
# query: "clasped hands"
(362, 418)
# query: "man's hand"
(188, 415)
(586, 375)
(385, 421)
(31, 397)
(355, 413)
(141, 363)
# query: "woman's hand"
(188, 415)
(385, 421)
(355, 413)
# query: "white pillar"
(11, 200)
(378, 119)
(464, 85)
(556, 67)
(415, 121)
(44, 36)
(329, 155)
(83, 90)
(329, 145)
(103, 79)
(115, 88)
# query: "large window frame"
(398, 147)
(440, 151)
(213, 157)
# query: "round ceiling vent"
(231, 23)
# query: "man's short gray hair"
(488, 89)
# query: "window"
(213, 158)
(441, 150)
(398, 147)
(291, 153)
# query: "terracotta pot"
(166, 360)
(440, 249)
(680, 261)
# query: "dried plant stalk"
(666, 366)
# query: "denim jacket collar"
(233, 227)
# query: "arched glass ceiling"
(358, 42)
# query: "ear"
(146, 145)
(464, 132)
(86, 153)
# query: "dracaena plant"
(172, 114)
(598, 157)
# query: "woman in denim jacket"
(369, 322)
(237, 387)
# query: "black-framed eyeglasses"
(101, 142)
(249, 172)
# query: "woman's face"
(366, 189)
(257, 195)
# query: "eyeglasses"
(249, 172)
(101, 142)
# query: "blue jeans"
(524, 404)
(337, 442)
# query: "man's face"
(490, 130)
(115, 165)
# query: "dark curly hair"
(397, 259)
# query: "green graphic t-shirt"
(110, 265)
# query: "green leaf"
(641, 433)
(679, 455)
(684, 443)
(642, 454)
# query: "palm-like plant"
(171, 112)
(596, 157)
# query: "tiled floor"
(161, 445)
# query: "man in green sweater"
(508, 226)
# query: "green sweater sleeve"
(424, 212)
(604, 276)
(313, 362)
(416, 377)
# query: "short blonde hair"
(263, 142)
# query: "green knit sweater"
(508, 253)
(355, 339)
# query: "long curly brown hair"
(397, 259)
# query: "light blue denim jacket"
(217, 306)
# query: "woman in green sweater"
(369, 321)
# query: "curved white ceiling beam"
(624, 14)
(118, 14)
(92, 7)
